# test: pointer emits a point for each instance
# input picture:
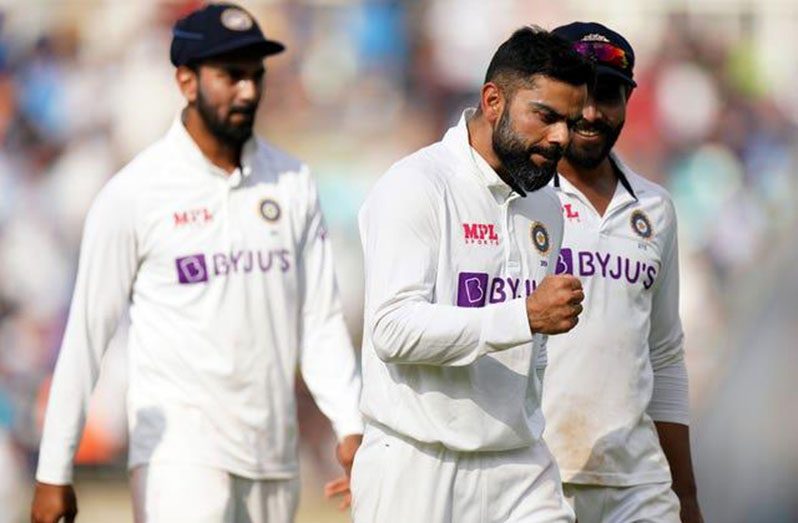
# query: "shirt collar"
(456, 138)
(621, 170)
(178, 135)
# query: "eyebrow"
(548, 109)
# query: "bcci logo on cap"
(236, 19)
(641, 225)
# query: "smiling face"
(533, 129)
(600, 125)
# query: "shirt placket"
(512, 253)
(235, 234)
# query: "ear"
(492, 101)
(188, 82)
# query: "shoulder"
(655, 202)
(125, 186)
(421, 174)
(653, 196)
(278, 160)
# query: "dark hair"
(533, 51)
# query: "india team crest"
(641, 225)
(236, 19)
(540, 237)
(270, 210)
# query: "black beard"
(223, 129)
(516, 158)
(591, 158)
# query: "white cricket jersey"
(602, 374)
(231, 286)
(450, 255)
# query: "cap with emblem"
(218, 29)
(611, 52)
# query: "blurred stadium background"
(86, 84)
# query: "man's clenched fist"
(555, 305)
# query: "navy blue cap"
(218, 29)
(610, 52)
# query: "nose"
(590, 111)
(559, 134)
(248, 90)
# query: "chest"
(498, 250)
(193, 233)
(621, 250)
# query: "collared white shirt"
(231, 286)
(601, 390)
(450, 255)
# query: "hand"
(52, 502)
(345, 452)
(339, 487)
(690, 512)
(555, 305)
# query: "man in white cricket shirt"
(615, 395)
(460, 242)
(216, 241)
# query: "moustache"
(246, 110)
(552, 153)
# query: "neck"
(220, 154)
(480, 137)
(600, 179)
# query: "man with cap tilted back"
(215, 240)
(615, 394)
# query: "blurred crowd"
(85, 85)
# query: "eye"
(549, 118)
(608, 94)
(235, 74)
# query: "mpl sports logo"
(198, 268)
(606, 265)
(475, 289)
(480, 234)
(200, 216)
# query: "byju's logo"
(198, 269)
(476, 289)
(606, 265)
(192, 269)
(472, 289)
(565, 262)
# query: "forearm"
(425, 333)
(675, 441)
(329, 369)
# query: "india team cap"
(217, 29)
(610, 52)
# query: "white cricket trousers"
(648, 503)
(177, 493)
(399, 480)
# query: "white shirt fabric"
(231, 285)
(448, 355)
(599, 395)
